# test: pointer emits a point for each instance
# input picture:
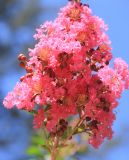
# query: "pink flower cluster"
(67, 74)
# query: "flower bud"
(22, 57)
(22, 64)
(22, 78)
(28, 69)
(29, 75)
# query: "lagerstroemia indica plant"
(68, 75)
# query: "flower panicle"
(68, 74)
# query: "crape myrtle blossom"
(68, 74)
(117, 78)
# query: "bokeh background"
(18, 21)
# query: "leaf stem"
(54, 148)
(81, 120)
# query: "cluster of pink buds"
(68, 74)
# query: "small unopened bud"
(94, 124)
(52, 134)
(102, 99)
(60, 132)
(70, 138)
(88, 118)
(93, 67)
(101, 67)
(99, 81)
(22, 64)
(29, 69)
(106, 109)
(87, 5)
(50, 72)
(22, 78)
(62, 122)
(87, 62)
(107, 62)
(29, 75)
(22, 57)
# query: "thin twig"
(75, 128)
(54, 148)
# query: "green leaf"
(37, 139)
(80, 129)
(59, 158)
(34, 150)
(46, 148)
